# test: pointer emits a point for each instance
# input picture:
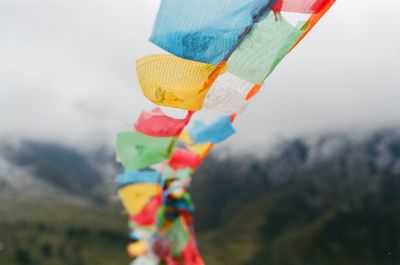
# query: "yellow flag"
(137, 248)
(199, 149)
(134, 197)
(171, 81)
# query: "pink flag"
(147, 216)
(191, 254)
(300, 6)
(157, 123)
(182, 158)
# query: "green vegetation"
(77, 236)
(290, 228)
(334, 203)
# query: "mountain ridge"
(330, 200)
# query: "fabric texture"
(300, 6)
(182, 174)
(228, 94)
(199, 149)
(138, 176)
(135, 197)
(157, 123)
(207, 35)
(137, 248)
(222, 52)
(177, 237)
(170, 81)
(215, 132)
(137, 151)
(263, 48)
(182, 158)
(145, 260)
(147, 216)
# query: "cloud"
(67, 72)
(58, 56)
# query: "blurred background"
(311, 178)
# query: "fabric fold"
(170, 81)
(215, 132)
(157, 123)
(263, 48)
(137, 151)
(138, 176)
(135, 197)
(300, 6)
(199, 149)
(205, 31)
(182, 158)
(228, 94)
(148, 215)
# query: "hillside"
(57, 206)
(328, 200)
(331, 201)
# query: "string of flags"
(220, 54)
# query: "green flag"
(136, 150)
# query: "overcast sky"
(66, 72)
